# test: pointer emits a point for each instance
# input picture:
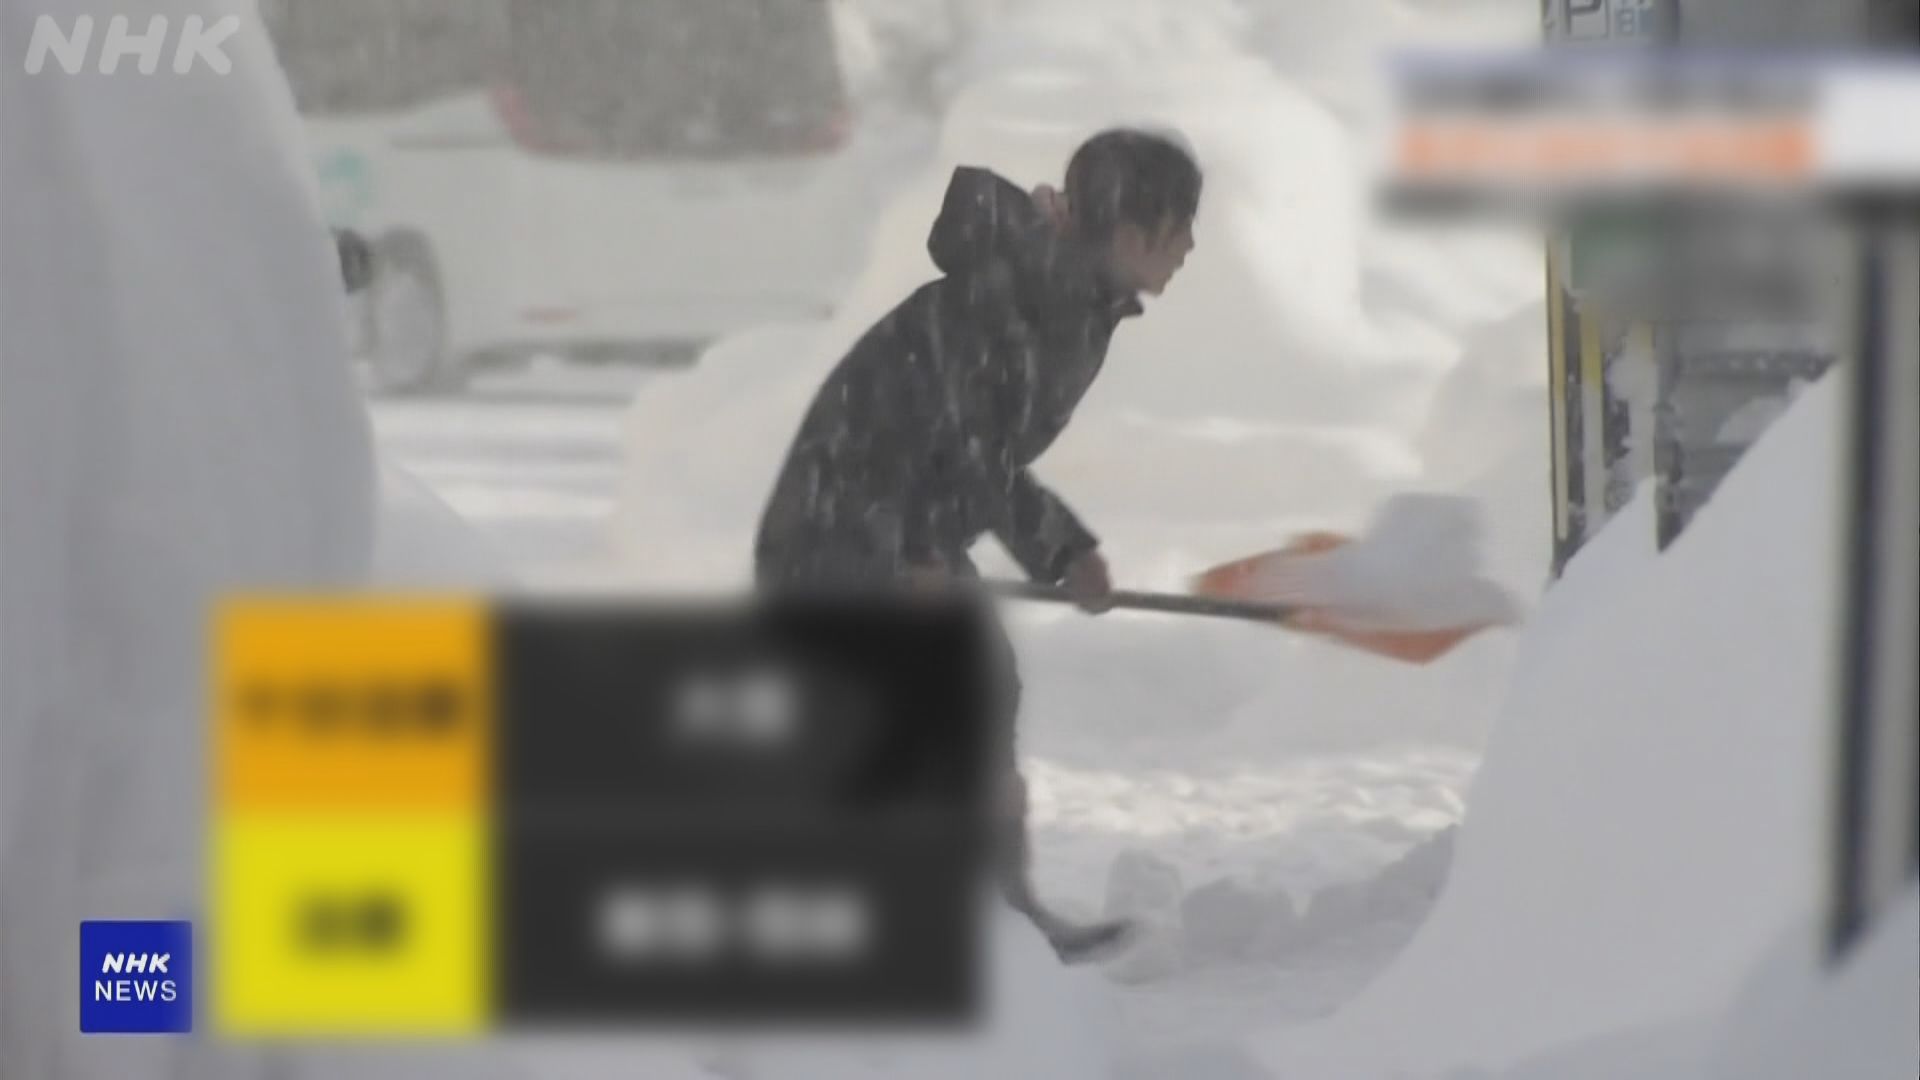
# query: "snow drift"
(177, 421)
(1854, 1020)
(1642, 827)
(420, 542)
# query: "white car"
(599, 180)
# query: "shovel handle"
(1136, 600)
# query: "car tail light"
(510, 104)
(832, 133)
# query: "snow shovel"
(1409, 588)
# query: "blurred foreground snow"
(1643, 830)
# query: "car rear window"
(688, 78)
(349, 57)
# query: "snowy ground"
(531, 460)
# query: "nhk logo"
(196, 42)
(152, 989)
(136, 977)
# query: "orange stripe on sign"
(1579, 151)
(366, 704)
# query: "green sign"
(1609, 253)
(346, 186)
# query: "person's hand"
(1090, 584)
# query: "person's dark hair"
(1129, 176)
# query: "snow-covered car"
(593, 179)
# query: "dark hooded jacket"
(923, 438)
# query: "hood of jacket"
(989, 224)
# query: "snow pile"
(1797, 1016)
(1643, 824)
(1231, 921)
(420, 542)
(1495, 391)
(1486, 435)
(178, 421)
(1330, 49)
(1852, 1021)
(704, 449)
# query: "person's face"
(1146, 259)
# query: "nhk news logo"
(195, 42)
(136, 977)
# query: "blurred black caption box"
(767, 814)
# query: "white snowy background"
(1616, 806)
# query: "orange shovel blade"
(1264, 578)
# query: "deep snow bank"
(420, 542)
(1643, 824)
(1800, 1017)
(1487, 435)
(177, 420)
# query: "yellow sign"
(338, 924)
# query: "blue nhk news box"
(136, 977)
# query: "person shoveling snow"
(922, 439)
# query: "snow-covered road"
(533, 461)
